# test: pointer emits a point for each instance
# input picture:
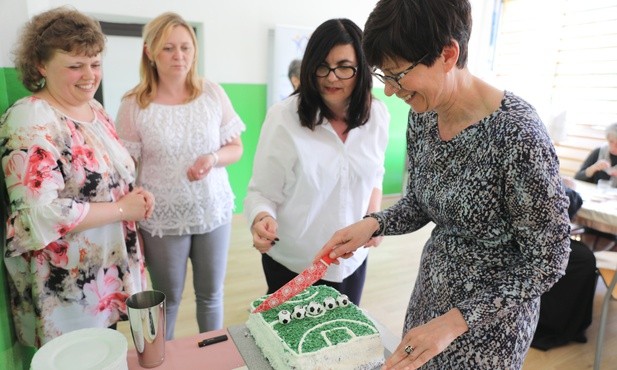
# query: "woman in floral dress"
(71, 252)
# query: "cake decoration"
(317, 334)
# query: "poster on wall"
(285, 44)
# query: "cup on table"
(146, 312)
(604, 185)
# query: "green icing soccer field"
(312, 333)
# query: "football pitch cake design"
(317, 329)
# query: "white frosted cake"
(317, 329)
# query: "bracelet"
(121, 211)
(216, 158)
(381, 221)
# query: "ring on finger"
(409, 350)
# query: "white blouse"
(165, 140)
(314, 184)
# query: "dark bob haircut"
(411, 29)
(311, 108)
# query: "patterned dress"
(53, 168)
(501, 231)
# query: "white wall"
(235, 32)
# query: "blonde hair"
(155, 34)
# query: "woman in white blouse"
(319, 162)
(182, 131)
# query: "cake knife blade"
(305, 279)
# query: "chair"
(606, 261)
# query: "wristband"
(121, 211)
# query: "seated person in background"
(566, 309)
(601, 162)
(294, 73)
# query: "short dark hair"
(62, 28)
(311, 108)
(411, 29)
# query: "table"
(183, 353)
(599, 209)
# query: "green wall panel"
(13, 356)
(249, 101)
(395, 152)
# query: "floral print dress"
(53, 168)
(501, 235)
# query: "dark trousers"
(566, 309)
(278, 275)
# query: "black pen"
(209, 341)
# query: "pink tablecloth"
(184, 354)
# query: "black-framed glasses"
(394, 81)
(341, 72)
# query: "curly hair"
(61, 28)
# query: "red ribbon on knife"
(305, 279)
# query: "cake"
(318, 328)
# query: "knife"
(305, 279)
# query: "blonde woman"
(182, 131)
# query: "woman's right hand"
(264, 232)
(136, 205)
(345, 241)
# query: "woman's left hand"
(201, 168)
(424, 342)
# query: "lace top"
(165, 141)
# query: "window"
(561, 56)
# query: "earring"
(152, 63)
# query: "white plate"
(84, 349)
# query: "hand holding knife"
(305, 279)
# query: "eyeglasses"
(341, 72)
(394, 81)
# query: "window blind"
(561, 55)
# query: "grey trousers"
(166, 260)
